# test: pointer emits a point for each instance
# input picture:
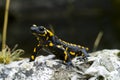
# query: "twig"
(97, 41)
(5, 24)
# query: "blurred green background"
(76, 21)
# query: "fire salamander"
(62, 50)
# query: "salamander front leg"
(33, 56)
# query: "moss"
(118, 54)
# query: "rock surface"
(106, 65)
(101, 65)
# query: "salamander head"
(41, 31)
(38, 30)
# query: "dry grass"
(7, 55)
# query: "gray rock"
(106, 65)
(101, 65)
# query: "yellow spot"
(87, 49)
(42, 34)
(82, 54)
(38, 45)
(34, 25)
(50, 44)
(76, 55)
(79, 46)
(38, 38)
(45, 33)
(82, 47)
(46, 45)
(74, 45)
(51, 34)
(72, 53)
(66, 49)
(47, 38)
(34, 33)
(58, 46)
(32, 57)
(65, 55)
(34, 50)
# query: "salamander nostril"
(33, 28)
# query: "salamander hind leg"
(62, 54)
(82, 55)
(67, 58)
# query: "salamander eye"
(41, 28)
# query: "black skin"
(63, 50)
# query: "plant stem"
(5, 23)
(97, 41)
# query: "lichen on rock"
(101, 65)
